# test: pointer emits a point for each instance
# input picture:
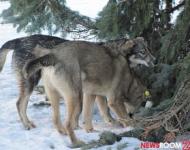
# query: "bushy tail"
(3, 54)
(6, 47)
(36, 64)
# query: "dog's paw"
(62, 131)
(77, 144)
(75, 126)
(115, 123)
(29, 125)
(126, 122)
(89, 130)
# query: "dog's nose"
(131, 115)
(143, 104)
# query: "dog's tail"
(36, 64)
(5, 49)
(3, 54)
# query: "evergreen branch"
(175, 8)
(168, 11)
(121, 1)
(75, 19)
(52, 15)
(76, 31)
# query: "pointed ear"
(126, 48)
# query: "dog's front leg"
(119, 109)
(88, 103)
(104, 110)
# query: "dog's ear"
(126, 47)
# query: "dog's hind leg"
(71, 90)
(88, 103)
(54, 98)
(26, 89)
(71, 101)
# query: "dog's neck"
(113, 47)
(134, 89)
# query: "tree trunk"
(168, 15)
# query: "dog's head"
(137, 101)
(137, 52)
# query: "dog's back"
(23, 48)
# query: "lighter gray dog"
(76, 67)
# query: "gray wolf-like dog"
(23, 48)
(76, 67)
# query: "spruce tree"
(128, 17)
(33, 16)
